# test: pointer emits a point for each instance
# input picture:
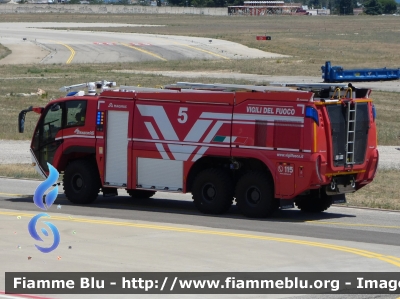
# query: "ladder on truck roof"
(226, 87)
(351, 132)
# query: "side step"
(286, 204)
(108, 192)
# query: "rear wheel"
(144, 194)
(81, 182)
(212, 191)
(254, 195)
(316, 202)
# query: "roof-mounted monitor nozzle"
(92, 88)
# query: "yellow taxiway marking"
(351, 224)
(16, 195)
(144, 51)
(364, 253)
(72, 53)
(202, 50)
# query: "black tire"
(213, 191)
(316, 202)
(140, 194)
(81, 182)
(255, 195)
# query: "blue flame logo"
(49, 200)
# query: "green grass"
(388, 121)
(382, 193)
(19, 171)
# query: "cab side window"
(51, 124)
(76, 113)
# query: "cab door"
(47, 137)
(62, 121)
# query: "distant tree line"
(377, 7)
(345, 7)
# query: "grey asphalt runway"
(44, 43)
(167, 233)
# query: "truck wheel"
(315, 202)
(140, 193)
(255, 196)
(212, 191)
(81, 182)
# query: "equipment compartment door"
(117, 148)
(286, 173)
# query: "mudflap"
(286, 204)
(338, 198)
(108, 192)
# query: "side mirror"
(21, 119)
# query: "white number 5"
(182, 113)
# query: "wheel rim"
(209, 192)
(253, 196)
(77, 182)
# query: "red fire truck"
(264, 146)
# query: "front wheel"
(81, 182)
(212, 191)
(255, 196)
